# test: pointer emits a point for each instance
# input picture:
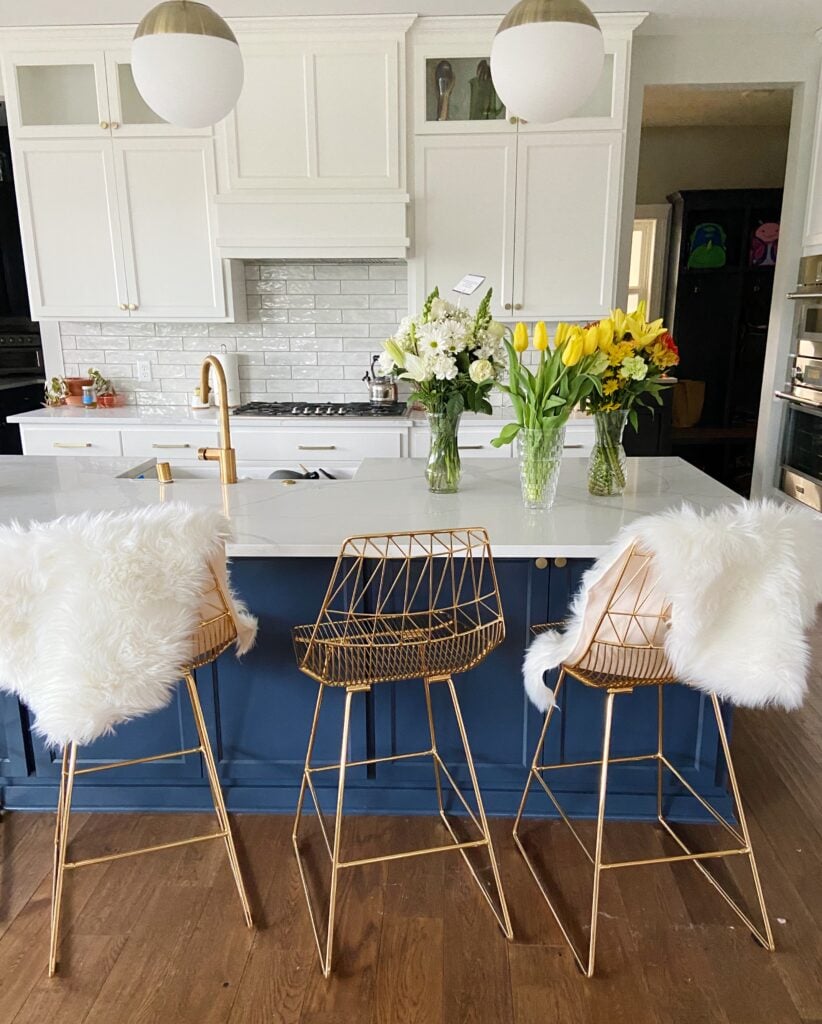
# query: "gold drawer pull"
(573, 446)
(316, 447)
(470, 447)
(71, 444)
(155, 445)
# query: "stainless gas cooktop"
(324, 409)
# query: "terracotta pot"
(75, 387)
(108, 401)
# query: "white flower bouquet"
(452, 357)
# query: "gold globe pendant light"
(547, 58)
(187, 64)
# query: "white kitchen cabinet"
(120, 228)
(464, 215)
(466, 41)
(315, 115)
(75, 440)
(538, 215)
(72, 244)
(569, 190)
(172, 267)
(172, 444)
(57, 91)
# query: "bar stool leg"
(217, 795)
(61, 832)
(765, 940)
(335, 855)
(603, 793)
(501, 915)
(533, 773)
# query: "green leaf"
(633, 419)
(506, 435)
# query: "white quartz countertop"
(312, 518)
(179, 416)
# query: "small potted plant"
(107, 396)
(74, 386)
(56, 391)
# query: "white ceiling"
(685, 106)
(667, 16)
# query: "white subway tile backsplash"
(312, 328)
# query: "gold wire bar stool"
(401, 606)
(621, 649)
(215, 633)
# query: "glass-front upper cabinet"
(130, 114)
(454, 92)
(76, 94)
(57, 93)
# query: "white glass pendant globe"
(186, 64)
(544, 70)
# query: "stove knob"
(294, 409)
(341, 411)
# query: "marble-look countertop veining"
(312, 518)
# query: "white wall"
(674, 159)
(756, 59)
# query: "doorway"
(706, 238)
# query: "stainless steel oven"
(801, 459)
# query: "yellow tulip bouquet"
(638, 354)
(566, 374)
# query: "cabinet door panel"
(165, 188)
(368, 155)
(568, 198)
(464, 210)
(71, 233)
(266, 136)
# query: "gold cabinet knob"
(115, 125)
(541, 563)
(104, 125)
(123, 306)
(507, 305)
(560, 563)
(517, 305)
(132, 306)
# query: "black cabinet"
(720, 286)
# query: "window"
(640, 275)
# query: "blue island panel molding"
(259, 715)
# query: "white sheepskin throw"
(744, 581)
(97, 613)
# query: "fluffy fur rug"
(745, 582)
(97, 613)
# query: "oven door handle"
(785, 397)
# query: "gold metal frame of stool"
(214, 635)
(647, 658)
(401, 606)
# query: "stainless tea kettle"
(381, 390)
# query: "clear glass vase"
(606, 465)
(540, 458)
(443, 470)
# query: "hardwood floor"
(161, 938)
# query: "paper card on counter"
(469, 284)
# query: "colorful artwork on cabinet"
(764, 245)
(707, 248)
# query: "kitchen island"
(285, 538)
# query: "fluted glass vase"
(540, 458)
(606, 465)
(443, 470)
